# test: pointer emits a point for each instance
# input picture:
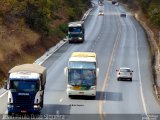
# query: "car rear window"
(124, 70)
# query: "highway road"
(118, 42)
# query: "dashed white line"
(61, 100)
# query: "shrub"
(64, 27)
(39, 14)
(154, 14)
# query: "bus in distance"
(76, 32)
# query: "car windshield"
(75, 29)
(125, 70)
(24, 85)
(82, 77)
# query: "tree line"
(39, 14)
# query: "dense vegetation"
(28, 28)
(40, 14)
(151, 8)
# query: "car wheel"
(41, 103)
(82, 41)
(130, 79)
(118, 79)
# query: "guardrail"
(58, 45)
(86, 14)
(47, 54)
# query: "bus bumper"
(18, 109)
(76, 40)
(82, 93)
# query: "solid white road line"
(139, 72)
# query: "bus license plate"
(23, 111)
(81, 93)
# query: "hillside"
(30, 27)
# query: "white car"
(101, 13)
(124, 73)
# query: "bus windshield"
(24, 85)
(82, 77)
(81, 64)
(75, 29)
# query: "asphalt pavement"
(118, 42)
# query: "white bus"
(82, 73)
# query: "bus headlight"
(36, 106)
(80, 38)
(93, 88)
(10, 106)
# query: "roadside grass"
(13, 43)
(19, 45)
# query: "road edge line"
(139, 73)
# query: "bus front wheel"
(70, 96)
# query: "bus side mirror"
(5, 85)
(66, 71)
(97, 72)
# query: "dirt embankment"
(19, 44)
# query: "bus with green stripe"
(82, 74)
(76, 32)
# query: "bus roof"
(77, 23)
(83, 54)
(29, 67)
